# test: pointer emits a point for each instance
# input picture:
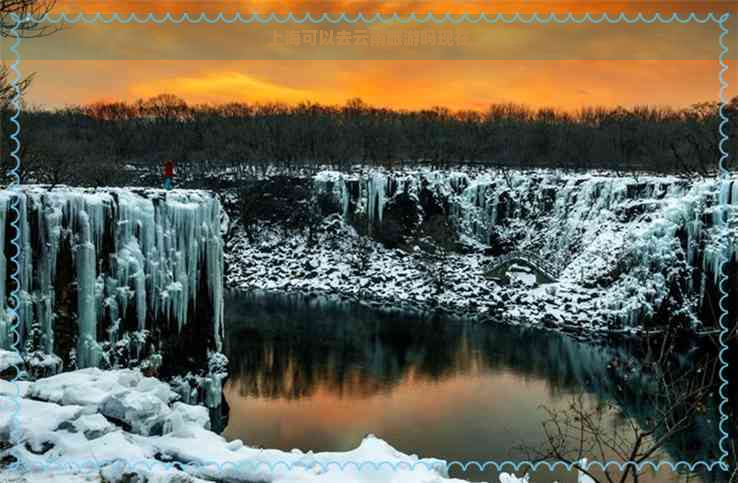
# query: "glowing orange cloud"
(223, 87)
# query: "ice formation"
(376, 197)
(334, 185)
(643, 237)
(138, 259)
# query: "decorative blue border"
(724, 238)
(15, 202)
(724, 174)
(378, 17)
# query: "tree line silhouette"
(99, 143)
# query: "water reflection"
(319, 375)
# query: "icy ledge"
(75, 422)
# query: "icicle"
(345, 198)
(25, 270)
(50, 219)
(214, 257)
(377, 197)
(335, 185)
(86, 279)
(152, 249)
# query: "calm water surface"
(319, 375)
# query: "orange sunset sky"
(562, 66)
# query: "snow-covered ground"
(113, 426)
(394, 280)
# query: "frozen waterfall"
(647, 239)
(109, 261)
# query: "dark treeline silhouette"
(91, 144)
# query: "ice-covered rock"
(24, 419)
(92, 426)
(125, 395)
(143, 412)
(184, 414)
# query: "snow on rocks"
(75, 450)
(87, 387)
(511, 478)
(92, 426)
(24, 419)
(30, 365)
(344, 265)
(9, 359)
(40, 364)
(124, 395)
(65, 441)
(93, 386)
(244, 464)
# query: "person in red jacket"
(168, 174)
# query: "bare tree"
(7, 90)
(18, 18)
(580, 431)
(21, 18)
(253, 139)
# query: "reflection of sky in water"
(454, 412)
(321, 378)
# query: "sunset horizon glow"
(565, 68)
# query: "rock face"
(280, 199)
(106, 275)
(654, 244)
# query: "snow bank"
(24, 420)
(79, 443)
(142, 403)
